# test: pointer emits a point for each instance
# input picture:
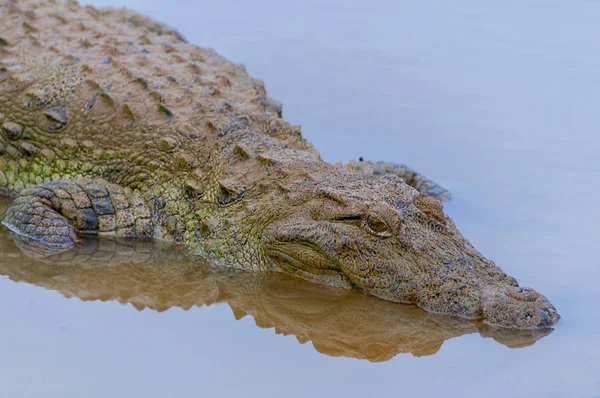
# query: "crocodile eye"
(377, 226)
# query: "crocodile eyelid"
(352, 217)
(328, 194)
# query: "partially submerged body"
(156, 276)
(112, 124)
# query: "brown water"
(497, 101)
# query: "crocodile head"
(380, 235)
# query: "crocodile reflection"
(337, 322)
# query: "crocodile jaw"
(518, 307)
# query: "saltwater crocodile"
(112, 124)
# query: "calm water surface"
(497, 101)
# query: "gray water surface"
(497, 101)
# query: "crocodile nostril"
(521, 308)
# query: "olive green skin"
(111, 124)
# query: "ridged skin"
(112, 124)
(112, 94)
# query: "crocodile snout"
(518, 307)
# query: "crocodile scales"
(112, 124)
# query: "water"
(496, 101)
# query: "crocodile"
(113, 124)
(154, 276)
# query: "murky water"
(496, 101)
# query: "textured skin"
(338, 322)
(184, 146)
